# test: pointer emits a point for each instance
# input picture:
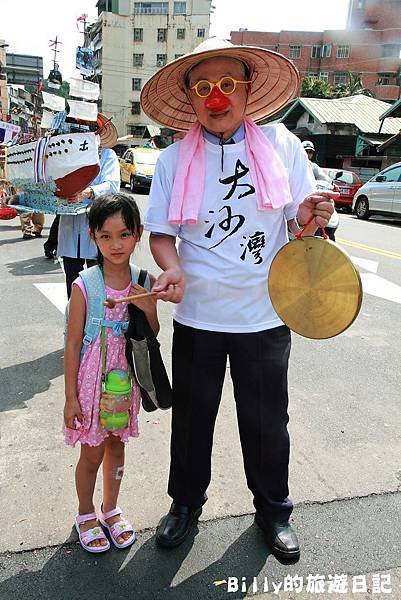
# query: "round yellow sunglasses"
(226, 85)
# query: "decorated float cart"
(48, 173)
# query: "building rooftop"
(362, 111)
(393, 111)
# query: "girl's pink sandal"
(86, 537)
(115, 530)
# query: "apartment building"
(3, 81)
(370, 45)
(23, 69)
(131, 40)
(23, 110)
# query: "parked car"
(347, 183)
(137, 166)
(381, 195)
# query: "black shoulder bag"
(142, 351)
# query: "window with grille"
(201, 32)
(136, 84)
(316, 51)
(151, 8)
(321, 51)
(180, 8)
(326, 50)
(312, 75)
(136, 131)
(392, 50)
(138, 60)
(340, 78)
(135, 108)
(162, 35)
(138, 34)
(343, 51)
(324, 76)
(384, 79)
(180, 34)
(161, 60)
(295, 51)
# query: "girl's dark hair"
(110, 204)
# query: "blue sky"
(31, 34)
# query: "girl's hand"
(72, 412)
(146, 304)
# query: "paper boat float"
(47, 172)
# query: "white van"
(381, 195)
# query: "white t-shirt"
(227, 254)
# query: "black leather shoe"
(176, 525)
(281, 538)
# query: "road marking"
(369, 248)
(368, 265)
(381, 288)
(372, 284)
(55, 292)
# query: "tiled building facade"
(370, 45)
(131, 40)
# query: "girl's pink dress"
(90, 379)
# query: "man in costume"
(227, 191)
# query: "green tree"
(353, 87)
(315, 88)
(63, 91)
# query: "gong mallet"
(111, 303)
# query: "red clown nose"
(216, 101)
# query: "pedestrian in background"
(31, 224)
(74, 244)
(318, 173)
(323, 181)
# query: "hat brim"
(275, 81)
(108, 132)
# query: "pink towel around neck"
(267, 171)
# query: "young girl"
(115, 226)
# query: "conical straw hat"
(275, 81)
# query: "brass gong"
(314, 287)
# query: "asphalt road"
(345, 428)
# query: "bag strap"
(96, 296)
(103, 330)
(142, 277)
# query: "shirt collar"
(237, 136)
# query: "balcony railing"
(151, 10)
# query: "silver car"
(381, 195)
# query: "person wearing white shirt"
(74, 243)
(226, 192)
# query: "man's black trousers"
(72, 268)
(258, 365)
